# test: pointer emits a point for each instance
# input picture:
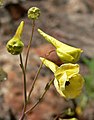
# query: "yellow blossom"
(68, 81)
(65, 52)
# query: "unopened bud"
(33, 13)
(15, 45)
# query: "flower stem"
(29, 45)
(24, 74)
(25, 89)
(34, 81)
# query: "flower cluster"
(68, 81)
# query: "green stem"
(41, 97)
(29, 45)
(34, 81)
(25, 89)
(24, 74)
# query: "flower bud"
(15, 45)
(65, 52)
(68, 81)
(33, 13)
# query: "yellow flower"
(65, 52)
(15, 45)
(68, 81)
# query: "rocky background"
(70, 21)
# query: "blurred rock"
(11, 1)
(90, 4)
(16, 10)
(76, 6)
(60, 2)
(5, 111)
(6, 22)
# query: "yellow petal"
(50, 39)
(62, 81)
(71, 90)
(49, 64)
(69, 68)
(57, 87)
(64, 56)
(75, 87)
(55, 42)
(68, 54)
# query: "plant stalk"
(29, 45)
(34, 81)
(24, 75)
(25, 89)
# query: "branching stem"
(41, 97)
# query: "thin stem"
(29, 45)
(23, 115)
(25, 89)
(34, 81)
(62, 114)
(41, 97)
(58, 116)
(24, 74)
(49, 53)
(36, 103)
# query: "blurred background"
(70, 21)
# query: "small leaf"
(3, 75)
